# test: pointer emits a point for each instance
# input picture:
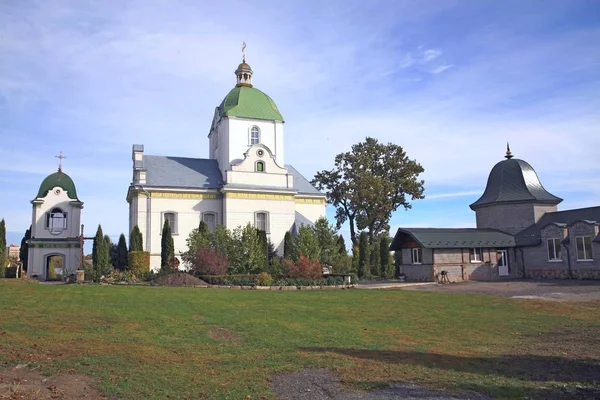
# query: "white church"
(244, 180)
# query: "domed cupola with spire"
(514, 197)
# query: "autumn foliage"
(209, 261)
(305, 268)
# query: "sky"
(450, 81)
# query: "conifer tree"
(136, 240)
(384, 255)
(287, 245)
(108, 248)
(203, 228)
(100, 254)
(167, 248)
(24, 250)
(2, 248)
(363, 253)
(341, 245)
(122, 256)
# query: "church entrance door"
(55, 264)
(503, 263)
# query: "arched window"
(56, 221)
(260, 166)
(211, 220)
(261, 221)
(254, 135)
(172, 218)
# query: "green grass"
(154, 342)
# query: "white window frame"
(587, 257)
(174, 228)
(211, 229)
(416, 254)
(473, 253)
(56, 229)
(557, 247)
(266, 213)
(251, 139)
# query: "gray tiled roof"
(446, 238)
(182, 172)
(514, 180)
(530, 236)
(202, 173)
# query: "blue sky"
(450, 81)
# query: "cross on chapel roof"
(60, 158)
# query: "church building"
(244, 180)
(55, 246)
(520, 234)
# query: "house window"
(261, 221)
(254, 135)
(554, 250)
(584, 248)
(417, 255)
(171, 217)
(476, 255)
(260, 166)
(56, 221)
(211, 220)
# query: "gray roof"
(202, 173)
(531, 236)
(451, 238)
(514, 181)
(182, 172)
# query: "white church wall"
(310, 211)
(271, 135)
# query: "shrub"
(139, 262)
(209, 261)
(263, 279)
(305, 268)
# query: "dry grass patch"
(222, 334)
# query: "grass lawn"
(159, 342)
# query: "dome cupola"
(243, 72)
(514, 181)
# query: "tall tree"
(287, 245)
(368, 183)
(24, 250)
(136, 240)
(112, 251)
(306, 244)
(2, 248)
(363, 254)
(384, 255)
(167, 248)
(342, 245)
(328, 241)
(122, 255)
(264, 245)
(203, 228)
(100, 254)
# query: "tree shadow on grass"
(524, 367)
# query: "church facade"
(244, 180)
(520, 234)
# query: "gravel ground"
(553, 290)
(317, 384)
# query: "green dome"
(61, 180)
(249, 102)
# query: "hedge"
(139, 262)
(251, 279)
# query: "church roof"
(531, 236)
(249, 102)
(449, 238)
(61, 180)
(202, 173)
(514, 181)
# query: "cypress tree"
(342, 245)
(384, 255)
(264, 245)
(136, 240)
(100, 254)
(167, 248)
(203, 228)
(287, 245)
(24, 250)
(122, 256)
(109, 251)
(2, 248)
(363, 254)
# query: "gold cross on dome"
(60, 158)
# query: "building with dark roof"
(520, 233)
(244, 180)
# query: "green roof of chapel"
(249, 102)
(61, 180)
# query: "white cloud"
(441, 68)
(431, 54)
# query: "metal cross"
(244, 52)
(60, 158)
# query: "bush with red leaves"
(209, 261)
(305, 268)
